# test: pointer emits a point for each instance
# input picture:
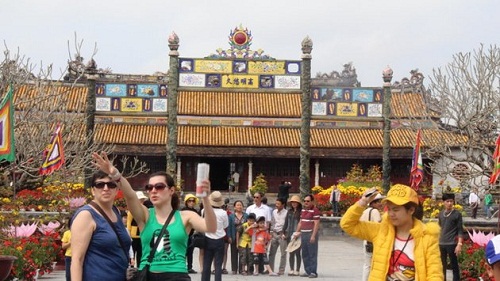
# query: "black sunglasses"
(159, 186)
(101, 184)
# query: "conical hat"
(293, 245)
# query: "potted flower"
(6, 263)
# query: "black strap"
(151, 254)
(163, 229)
(95, 205)
(370, 215)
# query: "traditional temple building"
(240, 110)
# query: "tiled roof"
(267, 137)
(280, 105)
(210, 103)
(73, 99)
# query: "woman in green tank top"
(169, 260)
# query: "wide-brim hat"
(293, 245)
(190, 196)
(401, 194)
(216, 199)
(295, 198)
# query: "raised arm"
(139, 211)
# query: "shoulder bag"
(369, 245)
(133, 274)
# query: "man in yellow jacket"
(404, 248)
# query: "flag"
(54, 154)
(496, 163)
(417, 168)
(7, 144)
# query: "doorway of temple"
(219, 172)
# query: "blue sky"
(131, 36)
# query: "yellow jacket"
(426, 252)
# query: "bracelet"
(116, 176)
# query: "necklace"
(447, 214)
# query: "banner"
(417, 168)
(496, 163)
(7, 143)
(54, 154)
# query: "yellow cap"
(401, 194)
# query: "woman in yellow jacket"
(404, 248)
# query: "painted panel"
(266, 67)
(131, 104)
(331, 94)
(240, 81)
(331, 108)
(319, 108)
(116, 90)
(102, 104)
(186, 65)
(191, 80)
(100, 89)
(147, 90)
(287, 82)
(213, 66)
(347, 109)
(160, 105)
(374, 110)
(293, 67)
(362, 95)
(132, 90)
(163, 90)
(362, 109)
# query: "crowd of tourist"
(157, 233)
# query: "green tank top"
(170, 255)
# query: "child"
(492, 254)
(260, 239)
(245, 244)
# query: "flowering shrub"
(472, 262)
(349, 195)
(433, 207)
(37, 251)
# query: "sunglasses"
(101, 184)
(159, 187)
(191, 200)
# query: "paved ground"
(340, 258)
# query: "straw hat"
(295, 198)
(191, 196)
(294, 244)
(216, 199)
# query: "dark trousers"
(295, 256)
(449, 250)
(137, 248)
(235, 265)
(214, 251)
(474, 210)
(189, 253)
(67, 267)
(173, 276)
(309, 252)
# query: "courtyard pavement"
(340, 257)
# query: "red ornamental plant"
(472, 262)
(37, 251)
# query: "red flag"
(7, 143)
(496, 163)
(54, 154)
(417, 167)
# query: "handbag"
(198, 240)
(133, 274)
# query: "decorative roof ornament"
(307, 45)
(240, 40)
(414, 84)
(346, 78)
